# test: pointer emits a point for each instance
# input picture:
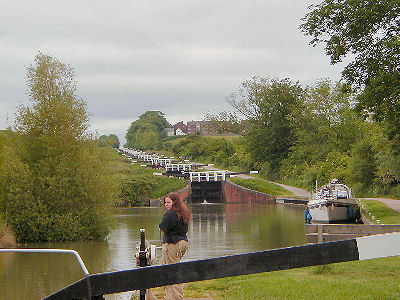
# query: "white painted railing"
(178, 167)
(207, 176)
(51, 251)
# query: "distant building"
(203, 127)
(170, 131)
(180, 128)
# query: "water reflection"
(215, 230)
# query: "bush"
(136, 190)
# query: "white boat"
(333, 203)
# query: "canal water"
(215, 230)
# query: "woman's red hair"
(179, 207)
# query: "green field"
(371, 279)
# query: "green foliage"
(55, 181)
(102, 140)
(202, 148)
(368, 31)
(108, 141)
(269, 105)
(170, 138)
(146, 132)
(136, 190)
(138, 185)
(225, 122)
(362, 166)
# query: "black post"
(142, 257)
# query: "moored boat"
(333, 203)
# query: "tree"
(56, 184)
(268, 104)
(108, 141)
(151, 122)
(113, 140)
(363, 165)
(369, 31)
(102, 140)
(225, 122)
(325, 121)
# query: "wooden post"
(320, 233)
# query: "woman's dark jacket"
(174, 228)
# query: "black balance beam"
(227, 266)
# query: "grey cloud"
(181, 57)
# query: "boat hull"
(332, 203)
(333, 213)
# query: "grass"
(261, 186)
(163, 185)
(381, 212)
(371, 279)
(229, 138)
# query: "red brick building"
(180, 128)
(203, 127)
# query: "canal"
(214, 230)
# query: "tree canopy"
(268, 104)
(111, 140)
(56, 183)
(146, 132)
(367, 32)
(298, 134)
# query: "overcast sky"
(180, 57)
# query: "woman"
(174, 225)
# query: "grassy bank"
(261, 186)
(138, 184)
(381, 212)
(372, 279)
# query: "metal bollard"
(145, 256)
(142, 257)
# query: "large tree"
(56, 183)
(146, 132)
(367, 32)
(268, 104)
(111, 140)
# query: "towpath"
(392, 203)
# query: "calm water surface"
(214, 230)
